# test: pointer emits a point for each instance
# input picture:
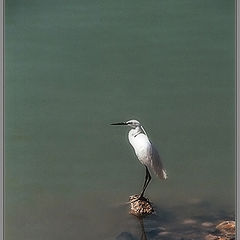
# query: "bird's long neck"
(133, 133)
(137, 131)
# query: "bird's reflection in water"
(130, 236)
(143, 233)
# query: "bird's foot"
(139, 198)
(142, 198)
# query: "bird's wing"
(157, 165)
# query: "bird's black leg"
(147, 180)
(146, 177)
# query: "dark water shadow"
(189, 221)
(130, 236)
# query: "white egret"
(146, 153)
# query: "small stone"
(189, 221)
(163, 233)
(162, 229)
(207, 224)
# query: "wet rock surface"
(224, 231)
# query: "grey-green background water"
(71, 68)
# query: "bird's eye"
(130, 122)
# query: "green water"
(71, 68)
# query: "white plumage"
(145, 151)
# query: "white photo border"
(237, 4)
(1, 119)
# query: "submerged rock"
(125, 236)
(207, 224)
(214, 237)
(189, 221)
(224, 231)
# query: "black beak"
(121, 123)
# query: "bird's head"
(133, 123)
(130, 123)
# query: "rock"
(224, 231)
(140, 207)
(226, 227)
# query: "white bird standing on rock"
(146, 153)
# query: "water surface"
(74, 67)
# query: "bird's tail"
(157, 165)
(162, 174)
